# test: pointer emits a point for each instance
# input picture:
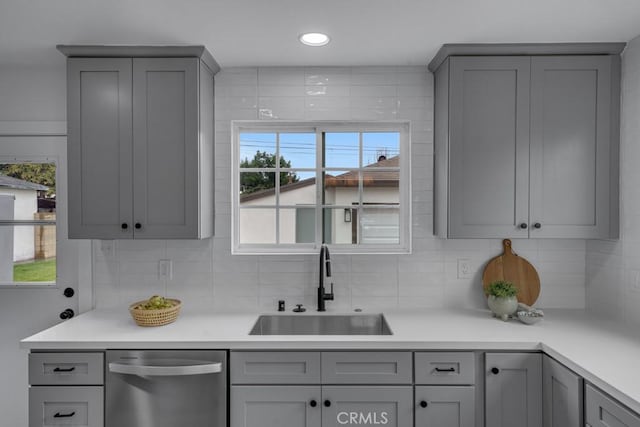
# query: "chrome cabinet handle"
(176, 367)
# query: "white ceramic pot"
(502, 307)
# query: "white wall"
(613, 267)
(205, 273)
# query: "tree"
(39, 173)
(251, 182)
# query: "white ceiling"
(264, 33)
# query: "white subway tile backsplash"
(374, 91)
(206, 275)
(319, 91)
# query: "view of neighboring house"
(377, 223)
(19, 200)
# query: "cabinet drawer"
(66, 368)
(366, 368)
(445, 368)
(275, 367)
(65, 406)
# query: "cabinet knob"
(124, 226)
(495, 371)
(423, 404)
(327, 403)
(69, 292)
(67, 314)
(313, 403)
(138, 226)
(537, 225)
(523, 225)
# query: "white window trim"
(402, 126)
(49, 149)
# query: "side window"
(297, 186)
(29, 211)
(28, 214)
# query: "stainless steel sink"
(331, 324)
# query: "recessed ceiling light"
(314, 39)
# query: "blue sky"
(341, 147)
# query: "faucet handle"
(330, 294)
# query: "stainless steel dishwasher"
(166, 388)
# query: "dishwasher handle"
(179, 368)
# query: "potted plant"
(501, 297)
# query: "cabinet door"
(513, 389)
(165, 158)
(570, 146)
(275, 406)
(372, 405)
(99, 148)
(489, 147)
(602, 411)
(562, 395)
(445, 406)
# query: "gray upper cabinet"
(526, 146)
(489, 137)
(140, 138)
(571, 147)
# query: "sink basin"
(332, 324)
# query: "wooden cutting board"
(514, 269)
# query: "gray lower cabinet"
(66, 389)
(329, 388)
(602, 411)
(71, 406)
(562, 395)
(275, 406)
(140, 147)
(326, 406)
(445, 406)
(526, 146)
(513, 389)
(391, 406)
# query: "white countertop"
(603, 352)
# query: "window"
(29, 237)
(298, 185)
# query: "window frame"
(43, 149)
(320, 128)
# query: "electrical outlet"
(108, 248)
(165, 269)
(464, 268)
(635, 285)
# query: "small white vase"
(502, 307)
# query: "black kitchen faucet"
(325, 269)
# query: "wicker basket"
(158, 317)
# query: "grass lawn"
(37, 271)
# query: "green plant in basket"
(501, 298)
